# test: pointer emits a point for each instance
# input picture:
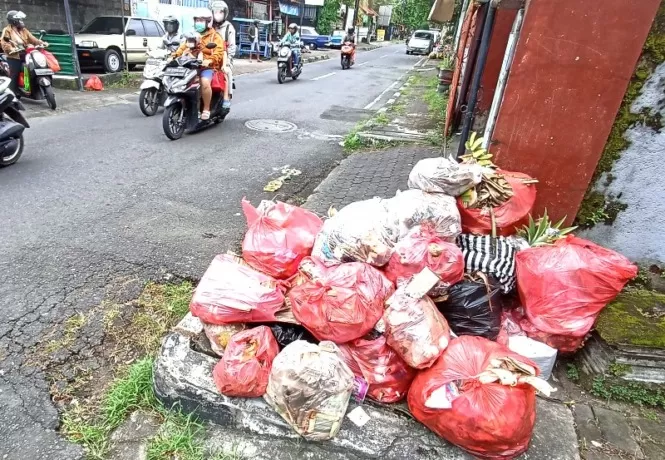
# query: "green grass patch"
(179, 437)
(629, 392)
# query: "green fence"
(61, 47)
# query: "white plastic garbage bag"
(443, 175)
(220, 334)
(538, 352)
(310, 387)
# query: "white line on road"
(378, 98)
(363, 63)
(385, 55)
(324, 76)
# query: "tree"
(328, 17)
(412, 14)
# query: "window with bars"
(187, 3)
(310, 12)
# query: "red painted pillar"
(572, 66)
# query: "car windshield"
(422, 35)
(104, 26)
(338, 33)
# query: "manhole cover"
(271, 126)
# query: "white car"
(100, 43)
(421, 42)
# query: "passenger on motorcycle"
(172, 39)
(293, 38)
(213, 59)
(221, 23)
(15, 38)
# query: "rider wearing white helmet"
(221, 23)
(293, 39)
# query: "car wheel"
(112, 61)
(313, 47)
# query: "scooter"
(152, 94)
(36, 79)
(183, 102)
(12, 125)
(348, 55)
(285, 64)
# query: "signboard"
(314, 2)
(385, 14)
(289, 10)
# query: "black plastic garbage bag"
(289, 333)
(473, 307)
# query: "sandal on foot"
(205, 115)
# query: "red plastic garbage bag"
(489, 420)
(510, 216)
(245, 367)
(422, 248)
(388, 376)
(278, 237)
(564, 287)
(415, 329)
(232, 292)
(343, 304)
(94, 84)
(51, 61)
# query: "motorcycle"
(152, 94)
(183, 101)
(12, 125)
(348, 55)
(285, 64)
(36, 79)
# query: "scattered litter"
(359, 417)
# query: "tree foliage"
(328, 16)
(412, 13)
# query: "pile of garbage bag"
(449, 295)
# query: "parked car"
(336, 39)
(100, 43)
(421, 42)
(310, 37)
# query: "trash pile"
(449, 296)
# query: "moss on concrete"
(636, 317)
(595, 206)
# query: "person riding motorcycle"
(213, 59)
(172, 39)
(350, 37)
(15, 38)
(293, 38)
(221, 23)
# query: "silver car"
(421, 42)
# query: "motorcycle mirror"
(211, 46)
(42, 32)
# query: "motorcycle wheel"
(149, 101)
(172, 128)
(297, 74)
(13, 158)
(281, 75)
(50, 97)
(345, 63)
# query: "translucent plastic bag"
(51, 61)
(310, 387)
(420, 249)
(278, 237)
(510, 216)
(563, 287)
(359, 232)
(443, 175)
(344, 304)
(388, 376)
(415, 208)
(220, 334)
(232, 292)
(245, 367)
(462, 399)
(415, 329)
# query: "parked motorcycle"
(183, 101)
(285, 64)
(348, 55)
(152, 94)
(12, 125)
(36, 79)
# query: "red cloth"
(422, 248)
(563, 287)
(509, 217)
(245, 367)
(343, 304)
(490, 421)
(232, 292)
(389, 377)
(278, 237)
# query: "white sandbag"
(541, 354)
(310, 387)
(443, 175)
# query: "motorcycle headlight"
(283, 52)
(39, 59)
(151, 71)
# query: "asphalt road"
(102, 195)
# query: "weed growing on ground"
(630, 392)
(572, 372)
(179, 437)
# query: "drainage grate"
(271, 126)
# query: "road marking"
(378, 98)
(324, 76)
(363, 63)
(385, 55)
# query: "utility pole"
(355, 21)
(75, 56)
(124, 32)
